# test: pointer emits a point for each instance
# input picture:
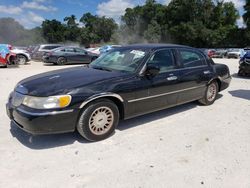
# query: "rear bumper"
(42, 122)
(225, 83)
(47, 59)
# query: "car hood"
(62, 81)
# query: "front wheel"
(210, 94)
(98, 120)
(21, 59)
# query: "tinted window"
(71, 50)
(163, 59)
(50, 47)
(78, 50)
(191, 58)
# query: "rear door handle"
(172, 78)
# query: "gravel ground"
(186, 146)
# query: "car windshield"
(122, 60)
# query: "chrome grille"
(17, 99)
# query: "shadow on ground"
(235, 75)
(39, 142)
(241, 93)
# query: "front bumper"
(245, 68)
(42, 122)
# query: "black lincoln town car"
(124, 83)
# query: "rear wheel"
(98, 120)
(210, 94)
(61, 61)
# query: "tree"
(53, 31)
(96, 29)
(246, 16)
(72, 30)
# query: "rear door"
(194, 75)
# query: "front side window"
(191, 58)
(124, 60)
(162, 59)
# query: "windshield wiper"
(102, 68)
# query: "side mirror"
(152, 70)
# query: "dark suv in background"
(244, 69)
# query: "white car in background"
(23, 57)
(94, 50)
(236, 53)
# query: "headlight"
(47, 102)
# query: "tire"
(241, 73)
(210, 94)
(61, 61)
(21, 59)
(101, 111)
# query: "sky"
(31, 13)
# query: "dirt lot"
(186, 146)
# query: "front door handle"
(172, 78)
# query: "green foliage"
(96, 29)
(53, 31)
(246, 16)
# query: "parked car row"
(225, 53)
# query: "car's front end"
(50, 103)
(44, 120)
(244, 68)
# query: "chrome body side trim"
(101, 95)
(44, 113)
(164, 94)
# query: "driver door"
(160, 89)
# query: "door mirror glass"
(152, 70)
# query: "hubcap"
(211, 92)
(62, 61)
(101, 120)
(22, 60)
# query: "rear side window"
(163, 59)
(71, 50)
(50, 47)
(191, 58)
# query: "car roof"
(155, 46)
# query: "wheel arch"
(115, 98)
(218, 80)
